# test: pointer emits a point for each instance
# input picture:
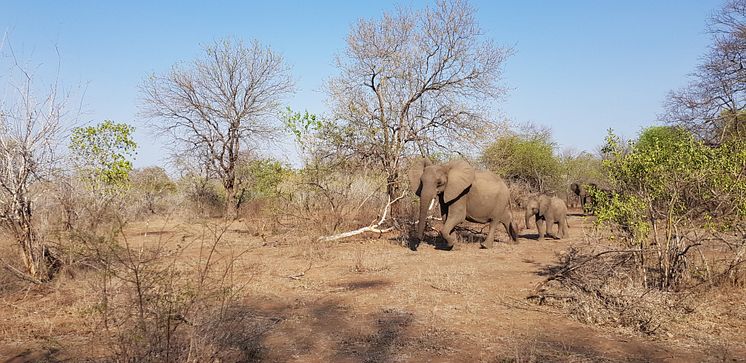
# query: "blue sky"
(581, 67)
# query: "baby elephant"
(548, 211)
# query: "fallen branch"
(20, 274)
(300, 274)
(375, 227)
(572, 267)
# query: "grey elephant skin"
(581, 190)
(547, 211)
(465, 194)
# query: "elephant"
(581, 190)
(464, 193)
(547, 211)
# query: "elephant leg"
(549, 222)
(540, 226)
(489, 241)
(455, 216)
(507, 221)
(563, 227)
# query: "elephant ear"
(543, 204)
(415, 172)
(460, 176)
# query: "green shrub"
(101, 154)
(522, 158)
(667, 184)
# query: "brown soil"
(375, 301)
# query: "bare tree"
(219, 104)
(712, 104)
(413, 82)
(30, 123)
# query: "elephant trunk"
(529, 213)
(426, 196)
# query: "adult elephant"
(581, 191)
(547, 211)
(464, 194)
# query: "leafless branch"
(220, 104)
(411, 81)
(30, 124)
(375, 227)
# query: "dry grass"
(355, 300)
(601, 289)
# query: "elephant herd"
(467, 194)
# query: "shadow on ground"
(331, 328)
(49, 355)
(327, 329)
(464, 235)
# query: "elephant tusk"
(432, 204)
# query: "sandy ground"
(375, 301)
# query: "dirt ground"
(369, 299)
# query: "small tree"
(154, 184)
(30, 124)
(259, 177)
(101, 155)
(220, 105)
(525, 158)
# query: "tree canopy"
(223, 103)
(413, 82)
(101, 153)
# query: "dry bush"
(154, 304)
(597, 288)
(70, 215)
(607, 287)
(261, 217)
(66, 213)
(331, 201)
(203, 197)
(167, 300)
(70, 203)
(9, 282)
(151, 191)
(520, 192)
(720, 258)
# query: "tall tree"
(413, 82)
(30, 126)
(220, 104)
(712, 104)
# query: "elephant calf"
(547, 211)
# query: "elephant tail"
(511, 230)
(567, 224)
